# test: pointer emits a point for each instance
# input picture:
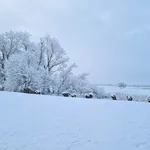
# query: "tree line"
(41, 66)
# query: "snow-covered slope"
(32, 122)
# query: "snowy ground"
(131, 90)
(140, 94)
(33, 122)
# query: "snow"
(131, 90)
(35, 122)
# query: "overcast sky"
(110, 39)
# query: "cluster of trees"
(39, 66)
(122, 85)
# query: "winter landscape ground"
(35, 122)
(139, 93)
(133, 90)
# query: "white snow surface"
(34, 122)
(129, 90)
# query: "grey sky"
(110, 39)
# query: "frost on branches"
(41, 66)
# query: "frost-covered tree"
(45, 83)
(64, 79)
(11, 43)
(97, 91)
(82, 84)
(52, 56)
(41, 66)
(122, 85)
(22, 72)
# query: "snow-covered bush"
(136, 97)
(121, 95)
(98, 92)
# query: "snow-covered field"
(138, 93)
(33, 122)
(129, 89)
